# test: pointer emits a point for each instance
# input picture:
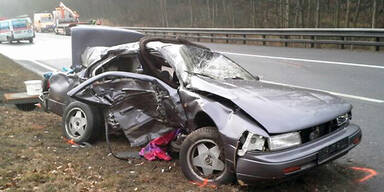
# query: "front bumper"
(269, 166)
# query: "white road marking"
(331, 92)
(44, 65)
(307, 60)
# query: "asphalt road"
(357, 76)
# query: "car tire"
(205, 144)
(81, 122)
(26, 107)
(9, 40)
(31, 40)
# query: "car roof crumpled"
(92, 55)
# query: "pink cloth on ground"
(154, 149)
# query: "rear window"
(4, 25)
(19, 23)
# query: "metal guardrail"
(285, 36)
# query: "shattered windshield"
(203, 62)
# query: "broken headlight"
(284, 141)
(343, 118)
(252, 142)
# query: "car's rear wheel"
(202, 157)
(31, 40)
(81, 122)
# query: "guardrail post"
(198, 39)
(286, 43)
(377, 47)
(227, 36)
(312, 44)
(342, 43)
(263, 37)
(244, 39)
(174, 35)
(211, 38)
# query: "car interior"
(125, 63)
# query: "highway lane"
(52, 51)
(358, 81)
(49, 51)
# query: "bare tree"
(357, 12)
(162, 13)
(266, 22)
(191, 12)
(337, 17)
(310, 15)
(280, 15)
(317, 25)
(347, 13)
(253, 13)
(297, 8)
(232, 14)
(374, 9)
(165, 13)
(213, 13)
(302, 13)
(209, 11)
(287, 13)
(225, 11)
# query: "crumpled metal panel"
(278, 108)
(140, 105)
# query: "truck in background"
(64, 19)
(43, 22)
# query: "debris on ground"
(154, 150)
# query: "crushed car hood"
(277, 108)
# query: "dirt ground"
(35, 157)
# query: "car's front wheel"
(81, 122)
(202, 157)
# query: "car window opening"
(126, 63)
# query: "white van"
(5, 31)
(22, 29)
(17, 29)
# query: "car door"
(142, 106)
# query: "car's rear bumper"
(23, 36)
(256, 167)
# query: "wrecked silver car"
(234, 125)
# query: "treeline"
(215, 13)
